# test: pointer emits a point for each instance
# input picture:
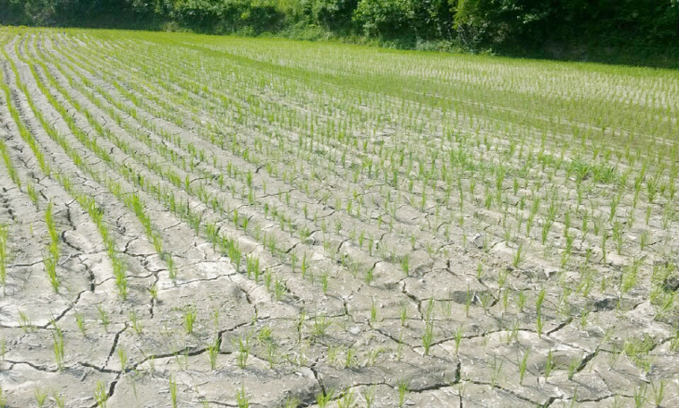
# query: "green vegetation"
(648, 29)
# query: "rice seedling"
(189, 319)
(523, 363)
(549, 364)
(279, 289)
(120, 274)
(373, 311)
(137, 325)
(320, 326)
(173, 391)
(350, 358)
(324, 397)
(428, 336)
(59, 400)
(213, 353)
(243, 345)
(402, 393)
(369, 396)
(573, 366)
(101, 394)
(50, 267)
(405, 264)
(381, 168)
(123, 358)
(40, 396)
(403, 315)
(58, 345)
(658, 392)
(80, 322)
(103, 317)
(25, 322)
(292, 402)
(242, 399)
(347, 399)
(495, 371)
(640, 396)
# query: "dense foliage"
(476, 24)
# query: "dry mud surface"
(196, 221)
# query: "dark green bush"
(224, 15)
(332, 14)
(388, 18)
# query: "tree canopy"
(475, 24)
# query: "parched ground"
(215, 221)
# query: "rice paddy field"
(193, 221)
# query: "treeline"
(474, 24)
